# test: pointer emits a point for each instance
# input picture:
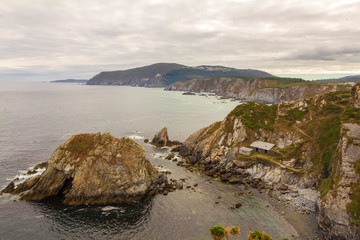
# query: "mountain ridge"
(164, 74)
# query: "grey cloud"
(102, 35)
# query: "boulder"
(95, 168)
(161, 138)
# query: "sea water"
(35, 118)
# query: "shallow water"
(37, 117)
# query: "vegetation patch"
(325, 186)
(354, 206)
(257, 235)
(352, 114)
(256, 115)
(295, 114)
(215, 127)
(80, 144)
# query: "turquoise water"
(35, 118)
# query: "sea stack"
(161, 138)
(95, 168)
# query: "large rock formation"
(317, 147)
(261, 90)
(94, 168)
(161, 139)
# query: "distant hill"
(352, 78)
(165, 74)
(70, 81)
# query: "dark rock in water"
(10, 188)
(146, 140)
(30, 172)
(95, 168)
(170, 156)
(188, 93)
(41, 165)
(237, 205)
(161, 138)
(26, 185)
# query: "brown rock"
(95, 168)
(41, 165)
(161, 138)
(237, 205)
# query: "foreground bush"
(256, 235)
(217, 232)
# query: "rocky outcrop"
(317, 150)
(95, 168)
(252, 89)
(161, 139)
(334, 218)
(339, 208)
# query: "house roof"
(246, 149)
(262, 145)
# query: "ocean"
(35, 118)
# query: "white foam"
(135, 137)
(109, 208)
(23, 176)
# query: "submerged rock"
(95, 168)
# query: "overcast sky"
(53, 39)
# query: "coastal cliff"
(315, 163)
(94, 168)
(164, 74)
(266, 90)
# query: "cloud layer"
(44, 40)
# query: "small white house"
(263, 147)
(245, 151)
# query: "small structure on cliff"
(263, 147)
(245, 151)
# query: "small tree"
(235, 231)
(257, 235)
(217, 232)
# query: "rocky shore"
(251, 90)
(313, 166)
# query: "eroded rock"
(95, 168)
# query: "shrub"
(235, 230)
(257, 235)
(217, 232)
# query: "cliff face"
(339, 209)
(251, 89)
(317, 147)
(95, 168)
